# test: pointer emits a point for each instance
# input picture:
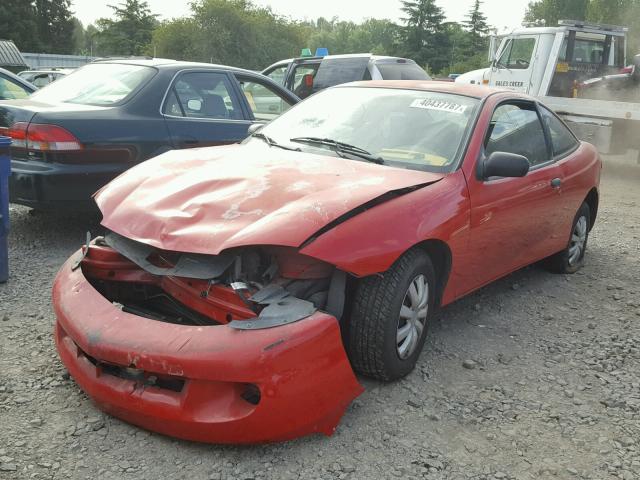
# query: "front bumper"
(301, 370)
(50, 186)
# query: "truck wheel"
(571, 259)
(390, 317)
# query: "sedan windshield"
(413, 129)
(101, 84)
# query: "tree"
(38, 25)
(230, 32)
(548, 12)
(424, 37)
(78, 37)
(131, 31)
(23, 32)
(477, 27)
(55, 25)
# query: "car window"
(265, 103)
(303, 79)
(401, 70)
(278, 73)
(517, 53)
(202, 95)
(41, 80)
(562, 139)
(337, 70)
(410, 129)
(100, 84)
(10, 90)
(516, 128)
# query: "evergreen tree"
(425, 38)
(131, 30)
(476, 24)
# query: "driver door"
(514, 221)
(514, 64)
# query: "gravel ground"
(535, 376)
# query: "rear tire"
(390, 317)
(571, 259)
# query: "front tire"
(571, 259)
(390, 317)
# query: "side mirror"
(505, 164)
(254, 127)
(194, 105)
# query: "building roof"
(10, 55)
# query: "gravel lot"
(535, 376)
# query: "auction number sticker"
(440, 105)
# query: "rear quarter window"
(402, 71)
(335, 71)
(562, 139)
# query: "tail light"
(43, 137)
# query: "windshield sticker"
(440, 105)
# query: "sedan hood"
(207, 200)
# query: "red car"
(237, 289)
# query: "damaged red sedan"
(237, 289)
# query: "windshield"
(403, 128)
(99, 84)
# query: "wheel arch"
(592, 200)
(441, 257)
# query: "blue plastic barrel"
(5, 171)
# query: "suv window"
(517, 53)
(516, 128)
(41, 80)
(202, 95)
(278, 74)
(303, 78)
(338, 70)
(266, 104)
(562, 139)
(399, 70)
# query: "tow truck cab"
(550, 61)
(308, 73)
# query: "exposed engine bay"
(247, 287)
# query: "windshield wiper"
(340, 148)
(272, 143)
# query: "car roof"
(375, 58)
(168, 63)
(476, 91)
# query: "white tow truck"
(555, 64)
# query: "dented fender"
(370, 242)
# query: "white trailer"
(552, 62)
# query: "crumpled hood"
(210, 199)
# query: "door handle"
(555, 183)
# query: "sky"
(503, 14)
